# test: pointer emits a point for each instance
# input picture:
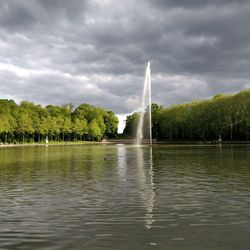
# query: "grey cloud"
(34, 17)
(195, 3)
(96, 51)
(15, 16)
(55, 10)
(73, 7)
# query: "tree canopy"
(29, 122)
(224, 117)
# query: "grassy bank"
(52, 143)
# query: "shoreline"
(131, 141)
(127, 141)
(52, 144)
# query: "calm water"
(125, 197)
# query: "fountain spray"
(146, 93)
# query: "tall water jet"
(146, 94)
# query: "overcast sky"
(96, 51)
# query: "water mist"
(146, 101)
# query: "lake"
(125, 197)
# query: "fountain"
(146, 93)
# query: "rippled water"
(125, 197)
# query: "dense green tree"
(224, 117)
(94, 130)
(29, 122)
(79, 129)
(4, 126)
(88, 112)
(156, 112)
(131, 124)
(111, 122)
(66, 128)
(24, 126)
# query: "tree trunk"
(231, 130)
(247, 132)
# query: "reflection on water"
(122, 161)
(144, 176)
(145, 180)
(125, 197)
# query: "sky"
(96, 51)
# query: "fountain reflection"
(122, 161)
(146, 182)
(144, 175)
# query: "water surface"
(125, 197)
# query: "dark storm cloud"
(14, 16)
(194, 3)
(95, 51)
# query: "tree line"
(29, 122)
(223, 117)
